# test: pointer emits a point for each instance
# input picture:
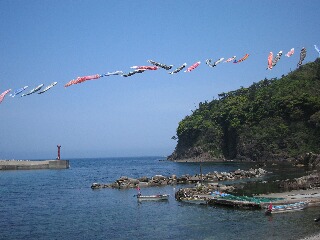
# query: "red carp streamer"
(192, 67)
(4, 94)
(270, 57)
(242, 59)
(82, 79)
(290, 53)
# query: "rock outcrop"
(200, 191)
(311, 160)
(159, 180)
(306, 182)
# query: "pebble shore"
(314, 237)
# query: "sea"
(60, 204)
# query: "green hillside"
(271, 119)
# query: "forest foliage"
(271, 119)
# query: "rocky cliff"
(273, 119)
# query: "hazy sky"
(45, 41)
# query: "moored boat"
(290, 207)
(194, 200)
(157, 197)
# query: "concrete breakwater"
(159, 180)
(30, 165)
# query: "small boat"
(157, 197)
(291, 207)
(194, 200)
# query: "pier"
(31, 165)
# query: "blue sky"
(47, 41)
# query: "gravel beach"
(310, 195)
(314, 237)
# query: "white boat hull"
(289, 207)
(158, 197)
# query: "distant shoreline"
(197, 160)
(200, 159)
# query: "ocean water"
(59, 204)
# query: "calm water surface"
(59, 204)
